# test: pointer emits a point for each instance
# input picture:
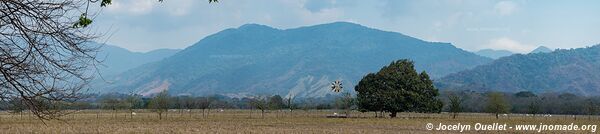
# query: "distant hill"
(572, 70)
(117, 60)
(541, 49)
(494, 54)
(257, 59)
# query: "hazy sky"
(517, 25)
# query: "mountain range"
(494, 54)
(563, 70)
(115, 60)
(541, 49)
(257, 59)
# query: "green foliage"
(591, 108)
(188, 102)
(105, 3)
(16, 105)
(544, 103)
(497, 104)
(368, 96)
(534, 107)
(112, 102)
(83, 21)
(134, 102)
(398, 88)
(276, 102)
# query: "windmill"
(336, 86)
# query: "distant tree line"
(395, 88)
(524, 102)
(162, 102)
(454, 101)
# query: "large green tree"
(276, 102)
(398, 88)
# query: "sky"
(515, 25)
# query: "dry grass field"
(246, 121)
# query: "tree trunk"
(393, 114)
(347, 113)
(262, 113)
(159, 116)
(454, 115)
(496, 115)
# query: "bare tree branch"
(43, 58)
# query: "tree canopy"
(398, 88)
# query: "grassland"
(246, 121)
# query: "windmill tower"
(336, 86)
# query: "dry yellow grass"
(246, 121)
